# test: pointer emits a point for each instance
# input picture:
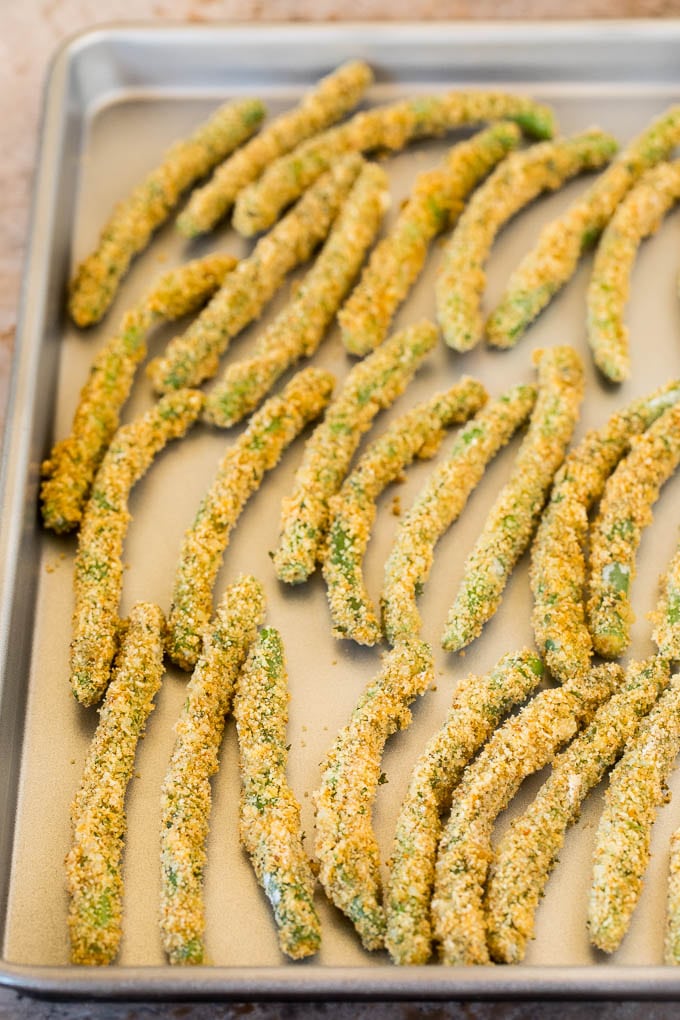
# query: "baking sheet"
(116, 99)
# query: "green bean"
(667, 616)
(193, 357)
(440, 502)
(523, 745)
(93, 863)
(186, 795)
(528, 852)
(637, 787)
(479, 704)
(134, 219)
(346, 846)
(332, 98)
(671, 948)
(558, 573)
(270, 826)
(436, 201)
(240, 473)
(418, 433)
(383, 127)
(624, 511)
(98, 573)
(514, 184)
(552, 262)
(73, 462)
(639, 215)
(370, 386)
(512, 520)
(300, 327)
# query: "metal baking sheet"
(115, 99)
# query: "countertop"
(30, 31)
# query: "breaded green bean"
(239, 474)
(625, 509)
(186, 795)
(418, 433)
(667, 616)
(98, 572)
(270, 827)
(639, 215)
(436, 202)
(330, 100)
(513, 185)
(297, 331)
(637, 787)
(194, 356)
(558, 572)
(479, 704)
(512, 520)
(523, 745)
(134, 219)
(73, 462)
(553, 260)
(528, 852)
(346, 846)
(440, 502)
(383, 127)
(93, 864)
(671, 948)
(370, 386)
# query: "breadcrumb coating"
(270, 827)
(512, 520)
(371, 386)
(186, 795)
(513, 185)
(558, 571)
(389, 127)
(479, 704)
(638, 216)
(436, 201)
(671, 948)
(440, 502)
(417, 433)
(523, 745)
(98, 572)
(625, 509)
(193, 357)
(298, 330)
(73, 462)
(529, 851)
(345, 844)
(134, 219)
(93, 864)
(637, 787)
(257, 450)
(552, 262)
(330, 100)
(666, 618)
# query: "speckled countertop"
(30, 30)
